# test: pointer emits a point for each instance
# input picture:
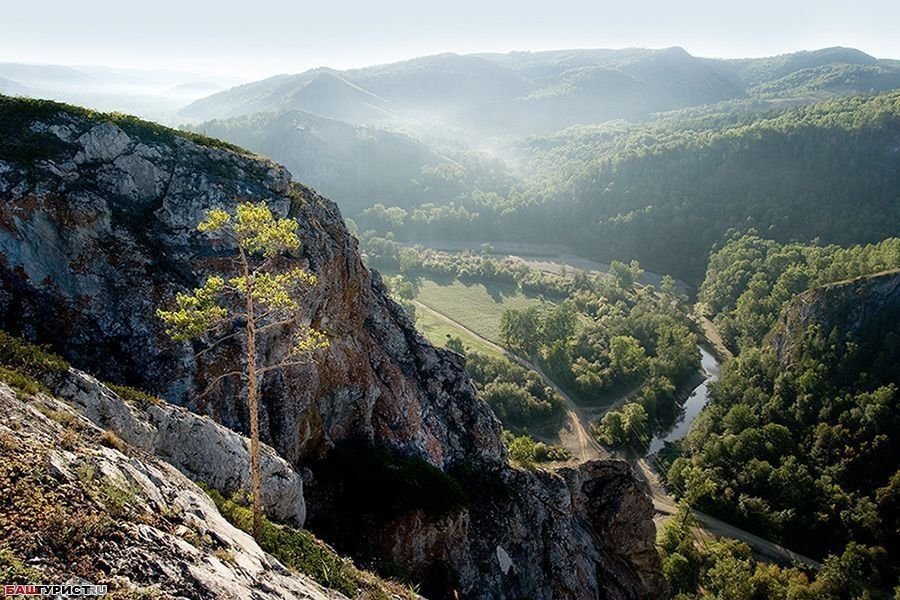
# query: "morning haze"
(493, 300)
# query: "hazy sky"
(257, 38)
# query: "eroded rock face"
(201, 449)
(863, 311)
(101, 231)
(94, 240)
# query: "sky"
(257, 38)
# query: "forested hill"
(351, 164)
(527, 92)
(668, 193)
(800, 441)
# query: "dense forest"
(664, 193)
(696, 568)
(750, 278)
(800, 441)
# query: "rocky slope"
(97, 229)
(83, 507)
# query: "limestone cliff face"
(101, 233)
(98, 223)
(861, 312)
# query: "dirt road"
(582, 444)
(665, 505)
(584, 447)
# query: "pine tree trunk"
(253, 405)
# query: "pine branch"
(217, 380)
(216, 343)
(283, 364)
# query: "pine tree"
(258, 292)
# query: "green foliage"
(26, 366)
(521, 329)
(14, 571)
(135, 396)
(526, 451)
(257, 233)
(628, 426)
(195, 313)
(664, 192)
(726, 568)
(517, 395)
(750, 278)
(602, 338)
(456, 344)
(521, 449)
(297, 549)
(21, 383)
(29, 359)
(804, 454)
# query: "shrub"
(14, 571)
(29, 359)
(111, 440)
(19, 382)
(521, 449)
(134, 396)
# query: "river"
(692, 406)
(553, 259)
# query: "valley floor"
(573, 431)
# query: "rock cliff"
(852, 324)
(98, 219)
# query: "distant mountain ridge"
(526, 92)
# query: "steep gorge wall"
(98, 228)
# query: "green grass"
(26, 366)
(437, 331)
(301, 551)
(475, 305)
(19, 382)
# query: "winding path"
(586, 448)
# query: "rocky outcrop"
(120, 517)
(201, 449)
(102, 232)
(98, 228)
(857, 318)
(590, 527)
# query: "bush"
(29, 359)
(134, 396)
(111, 440)
(525, 450)
(19, 382)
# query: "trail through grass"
(475, 305)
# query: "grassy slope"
(477, 307)
(437, 330)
